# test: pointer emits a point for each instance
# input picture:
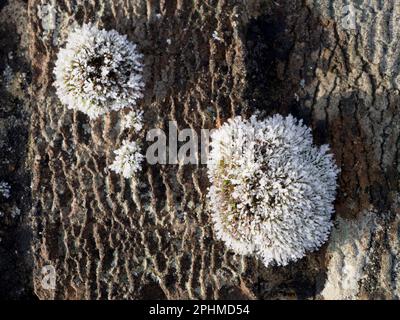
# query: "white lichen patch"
(15, 212)
(50, 19)
(5, 189)
(7, 76)
(271, 189)
(215, 36)
(13, 81)
(98, 71)
(133, 120)
(47, 13)
(128, 159)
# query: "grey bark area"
(108, 237)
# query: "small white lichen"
(5, 189)
(128, 159)
(271, 189)
(216, 36)
(51, 20)
(48, 14)
(98, 71)
(133, 120)
(7, 76)
(15, 212)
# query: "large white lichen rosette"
(272, 190)
(98, 71)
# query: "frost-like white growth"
(5, 189)
(216, 36)
(134, 120)
(98, 71)
(128, 159)
(271, 190)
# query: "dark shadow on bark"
(15, 235)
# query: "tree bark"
(111, 238)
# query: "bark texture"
(15, 77)
(108, 237)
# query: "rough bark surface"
(15, 77)
(108, 237)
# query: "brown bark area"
(108, 237)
